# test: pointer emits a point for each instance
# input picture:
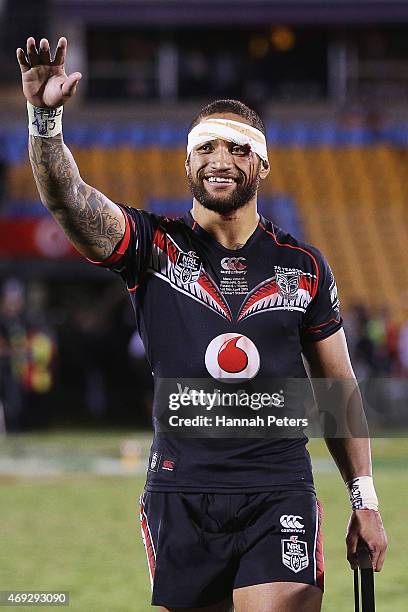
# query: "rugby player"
(220, 293)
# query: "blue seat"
(282, 210)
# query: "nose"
(221, 157)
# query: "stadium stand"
(341, 188)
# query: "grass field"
(79, 532)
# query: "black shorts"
(202, 546)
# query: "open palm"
(45, 82)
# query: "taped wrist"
(362, 493)
(44, 122)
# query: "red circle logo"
(232, 357)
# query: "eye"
(237, 149)
(205, 148)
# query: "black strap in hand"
(366, 575)
(356, 591)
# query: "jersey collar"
(207, 237)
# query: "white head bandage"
(226, 129)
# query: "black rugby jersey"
(196, 302)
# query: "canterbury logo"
(233, 263)
(290, 521)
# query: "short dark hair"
(230, 106)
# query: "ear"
(187, 166)
(265, 169)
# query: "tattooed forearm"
(91, 221)
(55, 171)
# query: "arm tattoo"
(92, 222)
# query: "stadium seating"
(342, 189)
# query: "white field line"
(35, 466)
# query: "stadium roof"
(235, 12)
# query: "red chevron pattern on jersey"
(268, 295)
(198, 285)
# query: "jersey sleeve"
(322, 317)
(131, 256)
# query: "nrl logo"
(287, 280)
(294, 554)
(187, 267)
(154, 462)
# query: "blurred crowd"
(70, 354)
(378, 344)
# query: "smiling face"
(224, 176)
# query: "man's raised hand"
(45, 82)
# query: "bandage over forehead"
(226, 129)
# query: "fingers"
(69, 87)
(32, 52)
(351, 542)
(44, 54)
(34, 57)
(366, 540)
(377, 552)
(374, 552)
(371, 553)
(22, 60)
(61, 52)
(352, 559)
(380, 560)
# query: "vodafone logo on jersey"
(232, 357)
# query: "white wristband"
(362, 493)
(44, 122)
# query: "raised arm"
(92, 222)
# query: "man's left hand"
(366, 526)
